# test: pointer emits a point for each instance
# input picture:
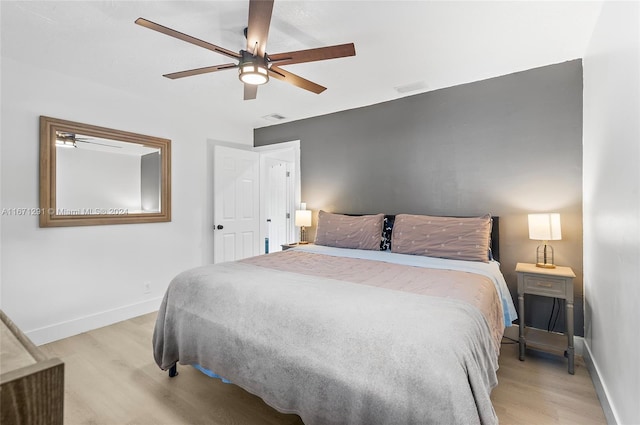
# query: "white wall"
(60, 281)
(612, 207)
(94, 180)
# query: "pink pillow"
(443, 237)
(344, 231)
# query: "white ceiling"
(432, 44)
(98, 144)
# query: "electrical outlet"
(147, 287)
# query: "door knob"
(219, 227)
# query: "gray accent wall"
(508, 146)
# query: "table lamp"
(302, 220)
(545, 228)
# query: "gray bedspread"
(331, 351)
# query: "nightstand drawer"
(548, 286)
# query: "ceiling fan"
(254, 64)
(70, 140)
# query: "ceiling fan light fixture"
(66, 143)
(253, 73)
(253, 69)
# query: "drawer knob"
(544, 285)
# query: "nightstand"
(554, 283)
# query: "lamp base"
(544, 256)
(303, 236)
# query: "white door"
(278, 202)
(236, 209)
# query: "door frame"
(286, 151)
(292, 147)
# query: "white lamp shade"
(303, 218)
(545, 227)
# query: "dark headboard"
(495, 237)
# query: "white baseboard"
(78, 325)
(581, 348)
(601, 388)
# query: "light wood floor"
(111, 379)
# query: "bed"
(367, 326)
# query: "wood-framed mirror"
(93, 175)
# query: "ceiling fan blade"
(286, 76)
(198, 71)
(250, 91)
(258, 27)
(184, 37)
(311, 55)
(100, 144)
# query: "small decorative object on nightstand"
(555, 283)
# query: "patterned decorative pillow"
(343, 231)
(443, 237)
(387, 228)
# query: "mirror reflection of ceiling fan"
(254, 64)
(70, 140)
